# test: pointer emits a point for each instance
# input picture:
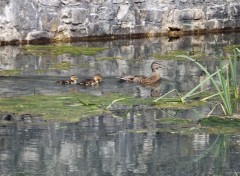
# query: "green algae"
(72, 107)
(230, 48)
(9, 72)
(110, 58)
(55, 50)
(171, 55)
(220, 122)
(175, 121)
(178, 105)
(68, 107)
(189, 127)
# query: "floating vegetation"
(175, 121)
(214, 121)
(230, 48)
(220, 125)
(9, 72)
(67, 107)
(46, 50)
(178, 105)
(171, 55)
(110, 58)
(211, 125)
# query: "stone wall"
(46, 20)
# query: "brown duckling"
(73, 80)
(154, 77)
(91, 82)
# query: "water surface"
(133, 144)
(110, 146)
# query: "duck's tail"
(125, 78)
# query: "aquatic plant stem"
(224, 99)
(174, 90)
(114, 101)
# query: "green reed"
(233, 73)
(226, 84)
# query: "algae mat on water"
(68, 107)
(44, 50)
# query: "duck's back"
(151, 79)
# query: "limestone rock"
(64, 19)
(122, 11)
(79, 15)
(37, 35)
(235, 10)
(50, 2)
(217, 12)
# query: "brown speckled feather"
(73, 80)
(154, 77)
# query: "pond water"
(107, 144)
(102, 146)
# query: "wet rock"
(24, 118)
(37, 34)
(8, 117)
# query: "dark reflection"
(122, 57)
(111, 146)
(129, 142)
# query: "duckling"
(154, 77)
(91, 82)
(73, 80)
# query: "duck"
(146, 80)
(91, 82)
(73, 80)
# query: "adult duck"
(73, 80)
(154, 77)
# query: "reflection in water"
(109, 146)
(123, 57)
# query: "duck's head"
(97, 78)
(156, 65)
(74, 78)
